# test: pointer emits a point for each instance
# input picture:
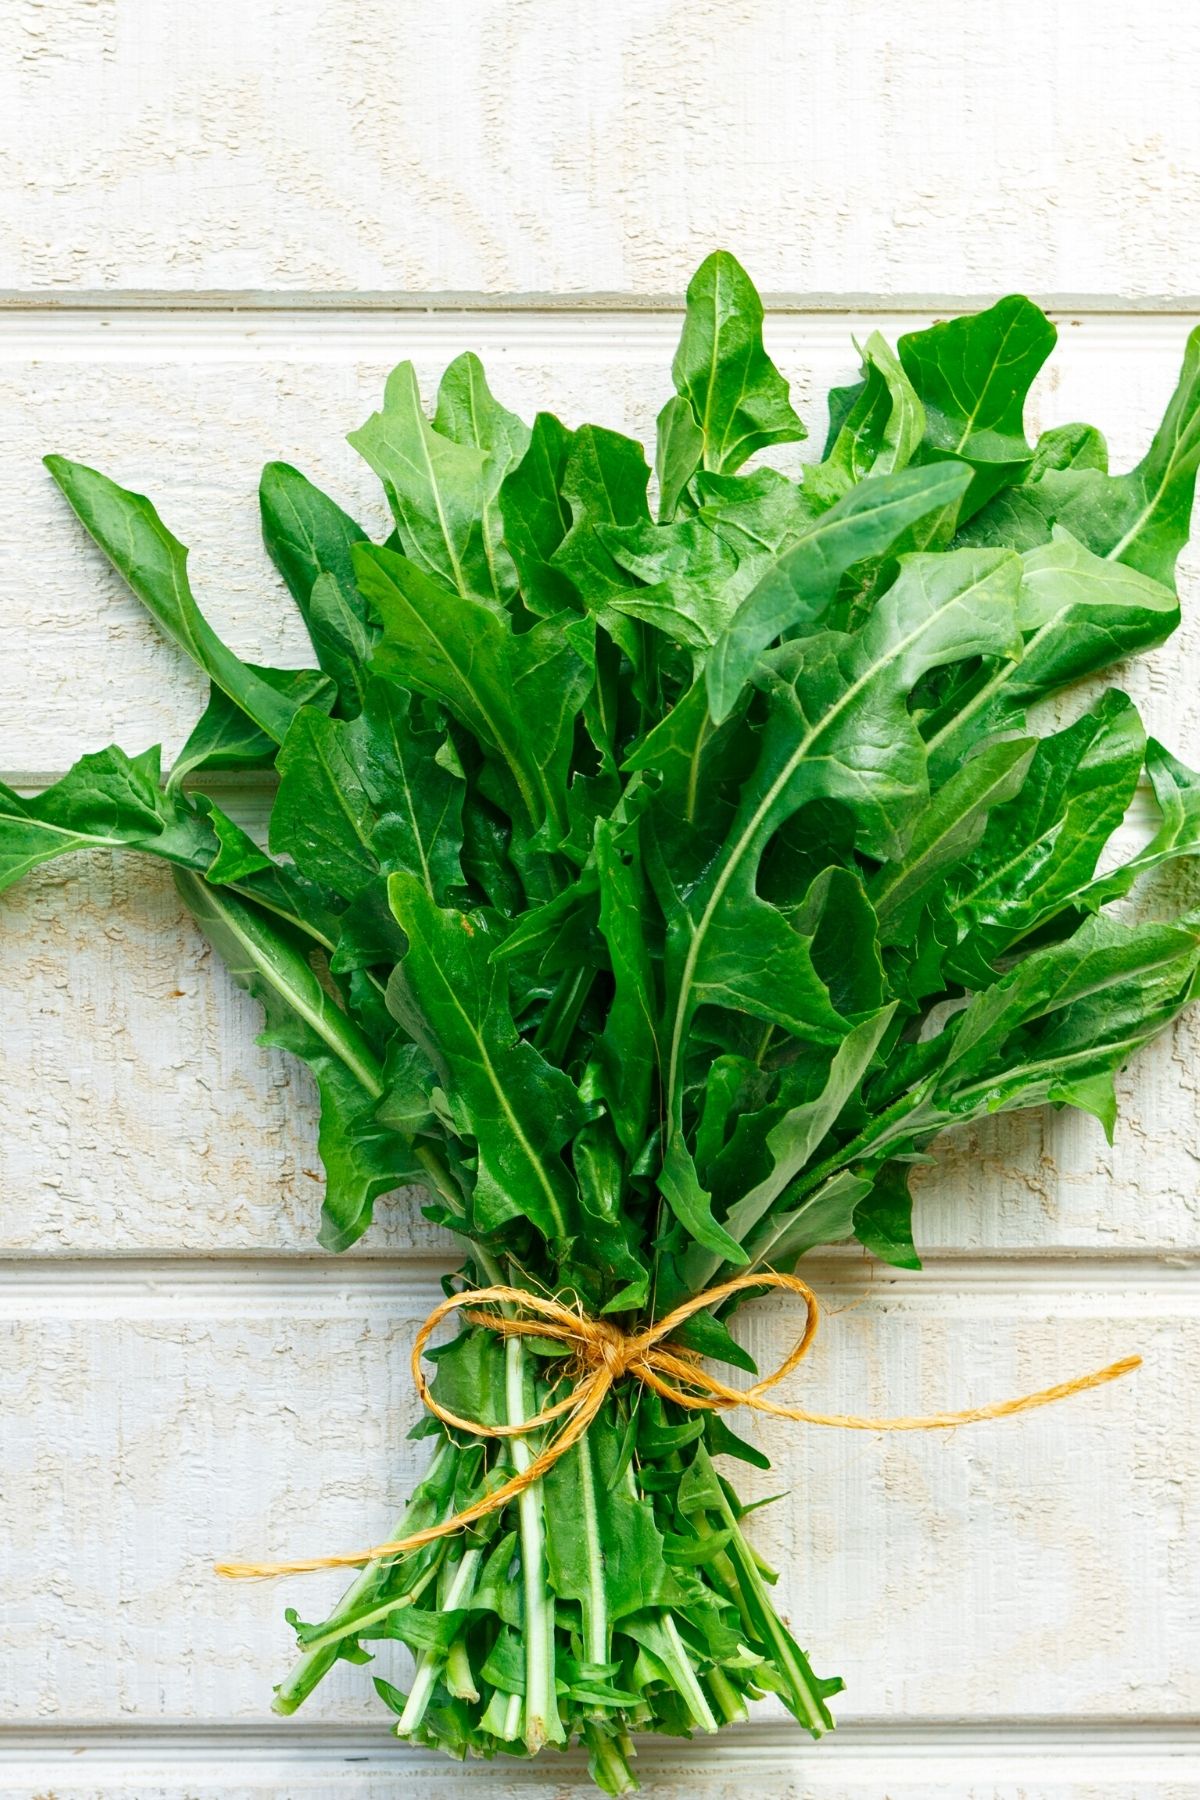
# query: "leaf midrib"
(368, 1075)
(498, 737)
(700, 930)
(531, 1156)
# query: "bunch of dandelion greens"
(651, 888)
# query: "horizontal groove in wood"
(605, 301)
(1018, 1741)
(838, 1263)
(287, 334)
(1021, 1758)
(165, 1285)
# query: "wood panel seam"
(602, 301)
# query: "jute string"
(605, 1355)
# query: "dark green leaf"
(627, 1050)
(1068, 447)
(801, 586)
(1142, 518)
(442, 487)
(223, 739)
(450, 997)
(604, 484)
(945, 833)
(239, 858)
(678, 454)
(342, 640)
(108, 801)
(537, 516)
(883, 1221)
(306, 533)
(880, 429)
(711, 1337)
(1177, 794)
(364, 796)
(839, 728)
(737, 397)
(1077, 613)
(795, 1138)
(309, 539)
(1067, 1017)
(823, 1216)
(154, 563)
(972, 376)
(583, 1487)
(1042, 846)
(518, 694)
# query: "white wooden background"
(220, 224)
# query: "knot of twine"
(605, 1355)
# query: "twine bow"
(605, 1355)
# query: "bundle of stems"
(651, 890)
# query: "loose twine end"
(606, 1355)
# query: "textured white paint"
(140, 1113)
(564, 146)
(156, 1420)
(161, 1408)
(188, 409)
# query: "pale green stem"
(724, 1574)
(358, 1621)
(460, 1677)
(488, 1264)
(810, 1708)
(686, 1679)
(430, 1662)
(316, 1662)
(733, 1707)
(610, 1760)
(542, 1723)
(595, 1605)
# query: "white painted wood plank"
(140, 1112)
(857, 1764)
(559, 146)
(1042, 1568)
(189, 408)
(146, 1117)
(141, 1115)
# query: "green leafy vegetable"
(730, 399)
(652, 890)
